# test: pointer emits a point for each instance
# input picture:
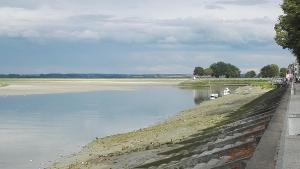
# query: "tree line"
(227, 70)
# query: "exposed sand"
(49, 86)
(118, 151)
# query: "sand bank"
(49, 86)
(125, 150)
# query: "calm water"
(37, 129)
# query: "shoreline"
(110, 151)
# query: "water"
(37, 129)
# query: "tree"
(208, 72)
(250, 74)
(198, 71)
(283, 72)
(225, 69)
(269, 71)
(288, 27)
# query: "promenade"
(290, 145)
(279, 148)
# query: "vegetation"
(225, 69)
(283, 72)
(208, 72)
(219, 69)
(250, 74)
(288, 27)
(269, 71)
(198, 71)
(260, 82)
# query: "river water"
(35, 130)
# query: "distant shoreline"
(94, 76)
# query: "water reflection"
(203, 93)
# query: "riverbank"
(261, 82)
(129, 149)
(11, 87)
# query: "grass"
(260, 82)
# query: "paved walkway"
(290, 144)
(279, 147)
(265, 156)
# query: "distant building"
(296, 67)
(202, 77)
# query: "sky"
(137, 36)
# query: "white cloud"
(147, 22)
(244, 2)
(256, 69)
(148, 36)
(170, 69)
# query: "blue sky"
(137, 36)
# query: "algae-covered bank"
(135, 148)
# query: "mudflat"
(48, 86)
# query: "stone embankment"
(228, 146)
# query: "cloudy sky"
(137, 36)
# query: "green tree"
(198, 71)
(288, 27)
(208, 72)
(225, 69)
(283, 72)
(250, 74)
(269, 71)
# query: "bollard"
(292, 89)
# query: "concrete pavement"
(265, 156)
(290, 144)
(279, 148)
